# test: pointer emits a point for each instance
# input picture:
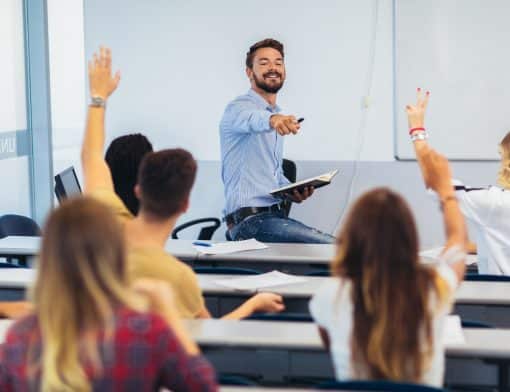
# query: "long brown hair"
(81, 279)
(378, 253)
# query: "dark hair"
(265, 43)
(378, 254)
(165, 179)
(124, 156)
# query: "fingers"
(297, 197)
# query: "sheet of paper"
(255, 282)
(230, 247)
(434, 254)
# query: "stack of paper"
(255, 282)
(230, 247)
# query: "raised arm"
(96, 172)
(437, 176)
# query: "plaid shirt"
(143, 355)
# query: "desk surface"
(481, 293)
(21, 246)
(480, 343)
(295, 253)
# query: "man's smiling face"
(268, 72)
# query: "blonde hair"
(504, 171)
(392, 323)
(80, 282)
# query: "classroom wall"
(376, 168)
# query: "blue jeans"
(276, 227)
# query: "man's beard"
(268, 88)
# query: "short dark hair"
(124, 156)
(165, 179)
(265, 43)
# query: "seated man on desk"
(251, 134)
(164, 183)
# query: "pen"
(200, 243)
(300, 120)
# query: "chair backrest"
(290, 172)
(377, 386)
(66, 184)
(12, 224)
(486, 278)
(226, 271)
(205, 233)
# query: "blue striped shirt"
(251, 153)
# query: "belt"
(239, 215)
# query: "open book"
(316, 182)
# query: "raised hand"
(416, 113)
(101, 81)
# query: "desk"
(481, 301)
(290, 258)
(280, 352)
(487, 302)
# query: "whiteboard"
(458, 49)
(182, 61)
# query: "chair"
(205, 233)
(289, 171)
(18, 225)
(486, 278)
(226, 271)
(284, 317)
(376, 386)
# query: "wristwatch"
(97, 102)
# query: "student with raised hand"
(87, 322)
(165, 179)
(488, 208)
(383, 314)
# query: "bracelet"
(447, 199)
(419, 136)
(416, 129)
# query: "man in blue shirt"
(251, 133)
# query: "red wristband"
(415, 129)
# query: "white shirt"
(489, 210)
(332, 309)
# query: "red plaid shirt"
(143, 355)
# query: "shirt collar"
(252, 93)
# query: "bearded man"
(251, 135)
